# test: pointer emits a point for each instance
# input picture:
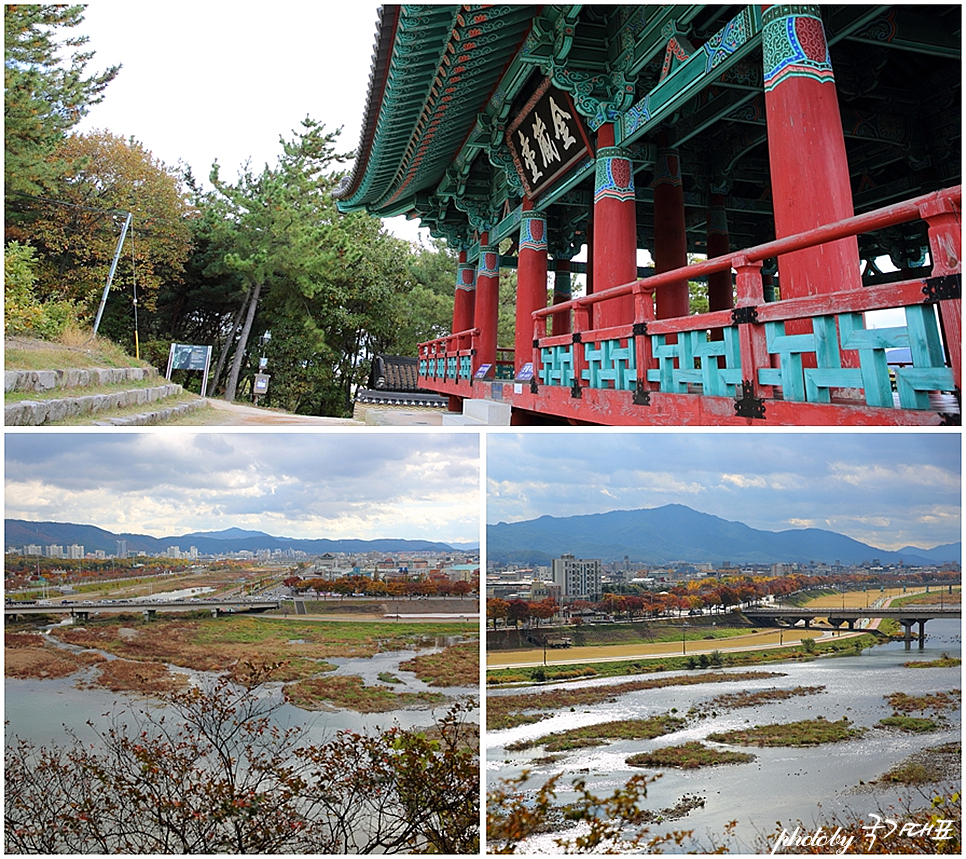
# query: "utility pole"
(110, 275)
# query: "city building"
(577, 579)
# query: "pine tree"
(44, 97)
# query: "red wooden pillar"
(806, 150)
(562, 292)
(531, 282)
(614, 249)
(487, 302)
(944, 217)
(465, 297)
(720, 287)
(670, 235)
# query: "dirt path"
(235, 415)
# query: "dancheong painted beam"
(786, 178)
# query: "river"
(782, 784)
(40, 710)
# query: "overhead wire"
(134, 290)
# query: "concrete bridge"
(905, 615)
(83, 610)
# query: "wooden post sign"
(183, 356)
(546, 139)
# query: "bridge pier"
(907, 629)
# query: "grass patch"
(909, 724)
(728, 659)
(298, 650)
(507, 711)
(597, 735)
(71, 350)
(808, 732)
(735, 700)
(351, 693)
(908, 773)
(688, 756)
(939, 763)
(76, 393)
(944, 661)
(937, 701)
(144, 678)
(389, 677)
(457, 665)
(27, 657)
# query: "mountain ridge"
(20, 532)
(675, 532)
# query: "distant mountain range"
(662, 535)
(19, 533)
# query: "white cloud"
(358, 484)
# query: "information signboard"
(184, 356)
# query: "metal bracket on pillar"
(642, 397)
(576, 337)
(640, 329)
(744, 315)
(950, 420)
(943, 288)
(576, 391)
(534, 387)
(748, 405)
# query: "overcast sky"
(888, 490)
(213, 80)
(363, 485)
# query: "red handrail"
(889, 216)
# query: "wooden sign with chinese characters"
(546, 139)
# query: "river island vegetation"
(576, 819)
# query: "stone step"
(40, 412)
(488, 412)
(159, 416)
(454, 420)
(41, 381)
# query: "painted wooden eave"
(434, 68)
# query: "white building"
(75, 552)
(578, 579)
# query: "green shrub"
(24, 313)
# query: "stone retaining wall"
(41, 381)
(38, 412)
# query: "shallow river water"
(39, 710)
(781, 784)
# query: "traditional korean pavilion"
(764, 203)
